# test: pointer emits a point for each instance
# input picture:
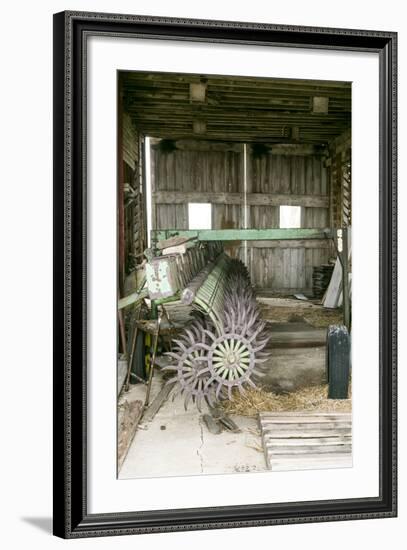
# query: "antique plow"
(222, 349)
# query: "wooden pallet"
(305, 441)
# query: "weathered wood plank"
(157, 403)
(294, 450)
(304, 440)
(306, 415)
(324, 431)
(307, 441)
(121, 374)
(271, 234)
(307, 418)
(129, 141)
(284, 302)
(128, 418)
(286, 267)
(295, 339)
(310, 462)
(334, 287)
(203, 145)
(305, 427)
(212, 424)
(255, 199)
(132, 298)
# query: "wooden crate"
(304, 441)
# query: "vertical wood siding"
(340, 196)
(134, 213)
(283, 268)
(222, 171)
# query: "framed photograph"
(224, 274)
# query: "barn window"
(290, 216)
(199, 215)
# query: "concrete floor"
(177, 442)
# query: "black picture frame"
(71, 518)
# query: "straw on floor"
(308, 399)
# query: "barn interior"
(219, 175)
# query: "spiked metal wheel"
(222, 350)
(191, 365)
(233, 362)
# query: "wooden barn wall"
(286, 265)
(134, 199)
(183, 176)
(130, 142)
(339, 173)
(199, 172)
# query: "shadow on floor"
(43, 523)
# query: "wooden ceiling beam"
(242, 81)
(242, 108)
(239, 123)
(260, 93)
(186, 133)
(260, 111)
(276, 118)
(237, 138)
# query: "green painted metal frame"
(242, 234)
(271, 234)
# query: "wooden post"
(120, 188)
(122, 332)
(143, 168)
(245, 188)
(345, 278)
(154, 310)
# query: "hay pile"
(321, 318)
(308, 399)
(317, 317)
